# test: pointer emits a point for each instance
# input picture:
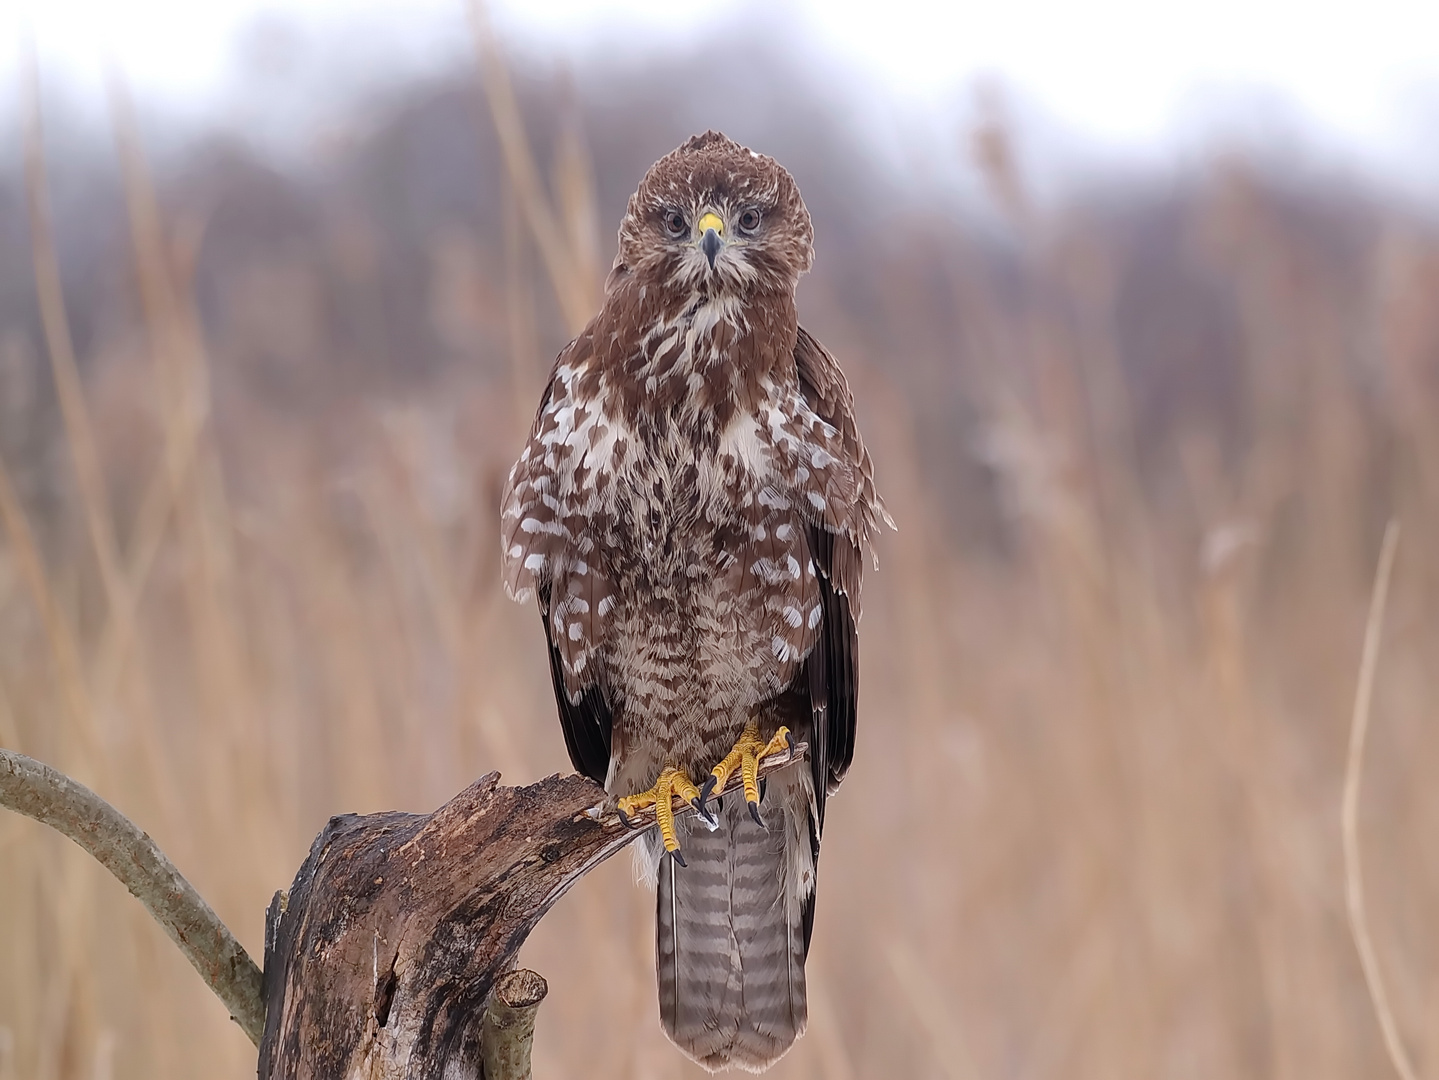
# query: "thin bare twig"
(38, 791)
(1353, 875)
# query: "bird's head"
(715, 217)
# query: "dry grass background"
(1141, 447)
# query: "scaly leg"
(746, 756)
(672, 782)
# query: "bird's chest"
(714, 585)
(678, 516)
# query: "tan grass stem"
(63, 647)
(1353, 873)
(545, 223)
(76, 415)
(183, 416)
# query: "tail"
(732, 930)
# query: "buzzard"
(691, 512)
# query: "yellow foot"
(672, 782)
(746, 757)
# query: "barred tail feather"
(730, 933)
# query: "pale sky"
(1123, 73)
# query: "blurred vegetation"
(1141, 443)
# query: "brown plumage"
(691, 511)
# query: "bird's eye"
(675, 224)
(749, 220)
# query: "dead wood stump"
(379, 961)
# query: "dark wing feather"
(832, 673)
(586, 723)
(832, 668)
(806, 912)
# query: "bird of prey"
(691, 511)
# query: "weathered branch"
(380, 959)
(390, 956)
(38, 791)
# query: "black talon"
(675, 854)
(789, 741)
(698, 803)
(705, 791)
(624, 818)
(763, 786)
(754, 813)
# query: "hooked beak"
(711, 228)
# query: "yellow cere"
(709, 221)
